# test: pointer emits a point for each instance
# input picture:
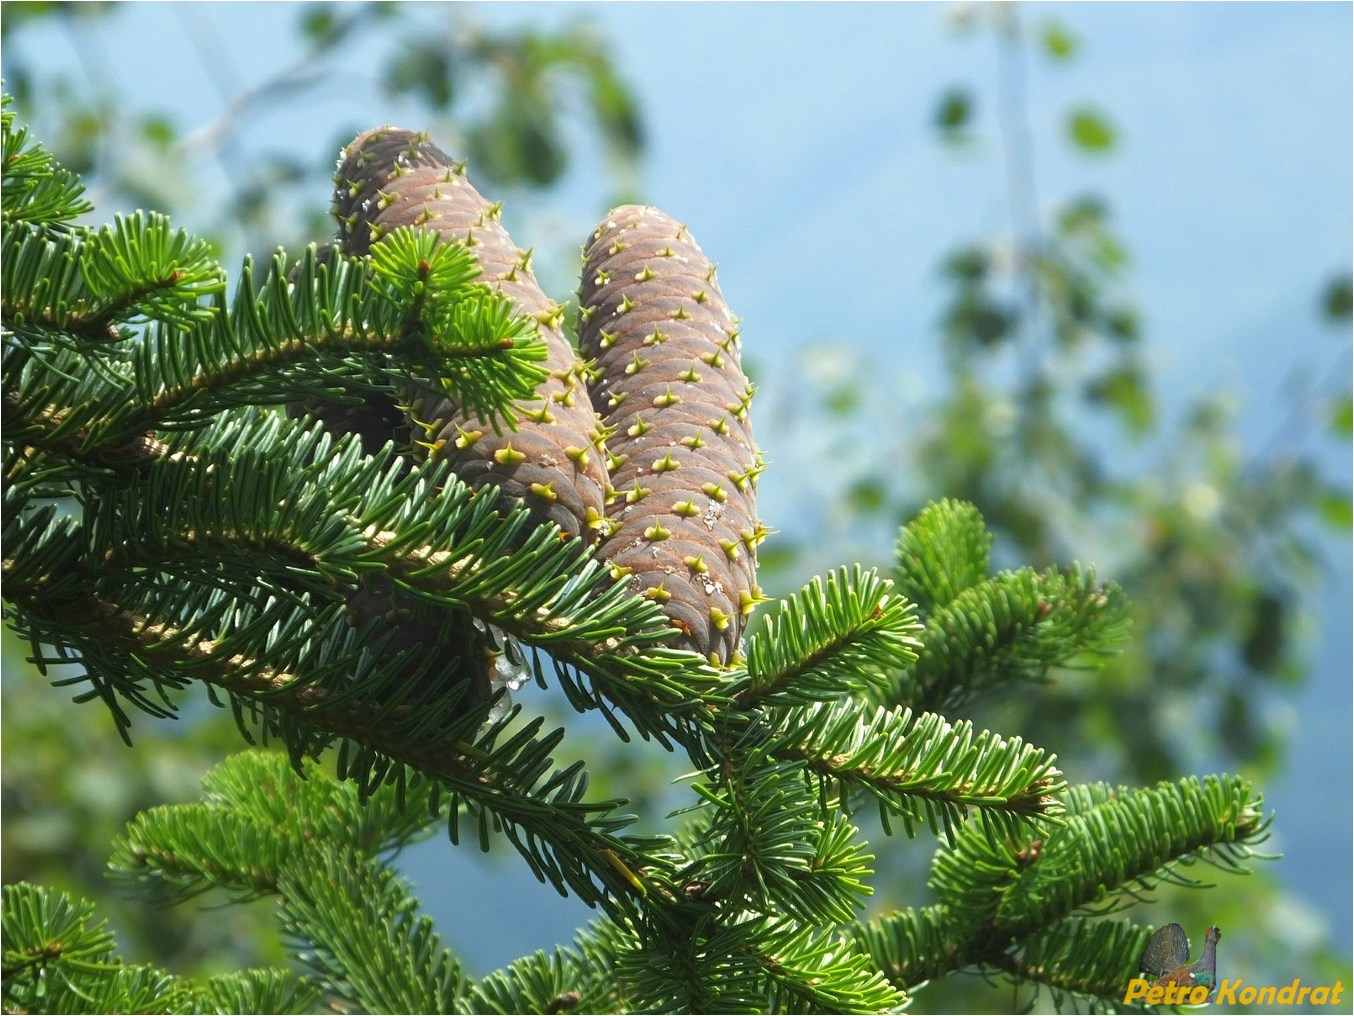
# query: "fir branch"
(33, 187)
(411, 719)
(287, 341)
(940, 553)
(262, 830)
(1081, 958)
(141, 268)
(715, 968)
(264, 786)
(260, 991)
(367, 945)
(58, 957)
(578, 978)
(281, 343)
(123, 989)
(241, 356)
(983, 632)
(1015, 626)
(769, 844)
(816, 971)
(422, 270)
(563, 838)
(53, 402)
(1089, 960)
(179, 851)
(836, 637)
(254, 817)
(85, 282)
(43, 930)
(1111, 842)
(537, 983)
(761, 964)
(915, 945)
(922, 768)
(315, 518)
(279, 643)
(42, 283)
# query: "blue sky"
(794, 140)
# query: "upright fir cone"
(670, 386)
(555, 460)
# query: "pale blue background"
(795, 141)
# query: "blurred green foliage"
(1048, 422)
(512, 101)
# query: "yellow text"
(1234, 991)
(1142, 990)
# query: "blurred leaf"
(520, 143)
(1125, 390)
(319, 24)
(1237, 717)
(968, 265)
(1058, 41)
(1084, 213)
(615, 109)
(1334, 506)
(18, 13)
(254, 199)
(867, 495)
(979, 320)
(962, 18)
(538, 142)
(1108, 253)
(841, 400)
(1342, 415)
(158, 131)
(1090, 131)
(777, 556)
(423, 69)
(1121, 323)
(953, 112)
(1339, 295)
(1263, 644)
(1079, 300)
(82, 132)
(953, 109)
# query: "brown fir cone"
(555, 460)
(669, 383)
